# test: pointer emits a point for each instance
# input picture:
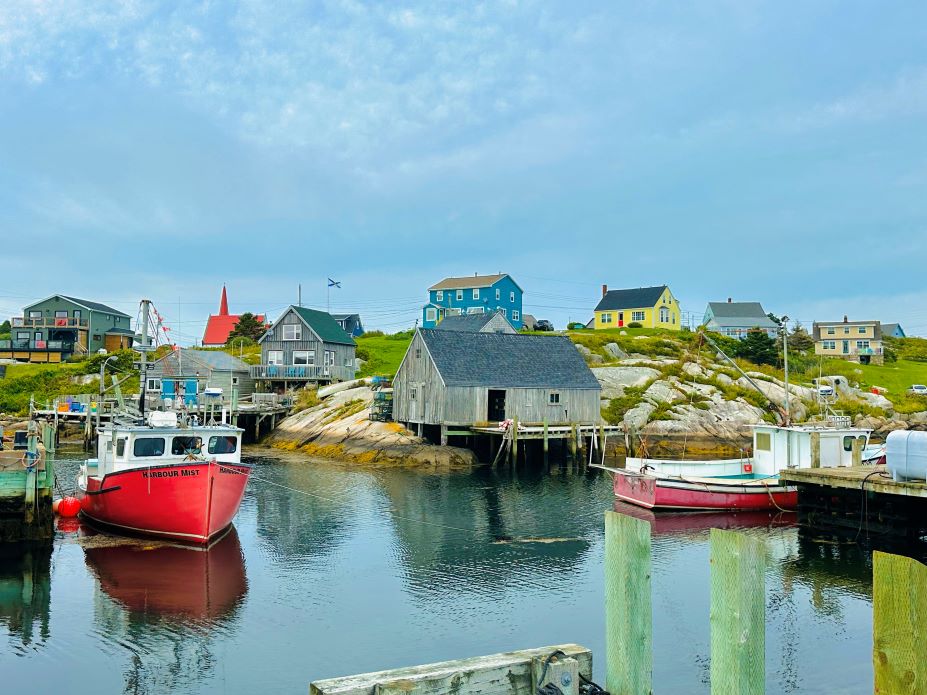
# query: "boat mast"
(143, 348)
(785, 358)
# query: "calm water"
(369, 569)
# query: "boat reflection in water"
(665, 523)
(25, 593)
(170, 580)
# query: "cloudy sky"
(772, 151)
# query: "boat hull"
(664, 493)
(191, 502)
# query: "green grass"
(382, 353)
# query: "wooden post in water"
(443, 435)
(899, 624)
(815, 449)
(572, 436)
(546, 444)
(628, 615)
(514, 452)
(738, 614)
(857, 451)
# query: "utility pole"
(785, 359)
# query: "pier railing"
(301, 372)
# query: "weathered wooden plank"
(560, 671)
(738, 614)
(628, 612)
(899, 624)
(851, 478)
(508, 673)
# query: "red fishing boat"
(165, 480)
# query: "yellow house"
(855, 341)
(652, 307)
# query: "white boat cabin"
(776, 448)
(163, 443)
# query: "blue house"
(476, 294)
(893, 329)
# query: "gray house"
(476, 323)
(737, 319)
(185, 374)
(305, 345)
(464, 378)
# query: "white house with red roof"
(222, 324)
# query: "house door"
(496, 410)
(846, 347)
(620, 319)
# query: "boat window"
(848, 443)
(181, 446)
(148, 446)
(862, 441)
(763, 441)
(223, 445)
(120, 447)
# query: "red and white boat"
(165, 480)
(749, 483)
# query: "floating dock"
(860, 499)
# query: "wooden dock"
(27, 479)
(859, 499)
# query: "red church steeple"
(224, 303)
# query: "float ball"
(69, 507)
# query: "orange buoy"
(69, 507)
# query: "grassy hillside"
(382, 353)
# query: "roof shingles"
(638, 298)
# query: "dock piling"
(899, 623)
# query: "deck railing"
(49, 322)
(37, 345)
(301, 372)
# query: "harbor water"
(333, 570)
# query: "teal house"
(476, 294)
(60, 326)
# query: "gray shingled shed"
(465, 378)
(493, 322)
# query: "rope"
(864, 502)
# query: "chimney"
(845, 320)
(728, 300)
(604, 290)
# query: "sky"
(764, 151)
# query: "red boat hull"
(660, 493)
(191, 502)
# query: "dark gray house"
(464, 378)
(185, 374)
(305, 345)
(350, 324)
(476, 323)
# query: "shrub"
(306, 398)
(617, 407)
(635, 324)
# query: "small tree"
(799, 339)
(247, 327)
(5, 330)
(758, 347)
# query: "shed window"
(413, 393)
(234, 381)
(148, 446)
(763, 441)
(153, 384)
(292, 331)
(223, 445)
(554, 398)
(182, 446)
(418, 353)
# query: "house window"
(512, 297)
(35, 314)
(37, 335)
(475, 310)
(763, 441)
(498, 294)
(22, 335)
(554, 398)
(439, 295)
(637, 315)
(862, 344)
(606, 318)
(664, 315)
(148, 446)
(831, 331)
(829, 344)
(292, 331)
(862, 329)
(222, 445)
(515, 314)
(459, 295)
(77, 315)
(275, 357)
(476, 293)
(431, 315)
(304, 357)
(846, 330)
(503, 312)
(61, 314)
(153, 384)
(183, 446)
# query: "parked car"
(543, 325)
(918, 390)
(825, 390)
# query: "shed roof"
(508, 360)
(463, 283)
(472, 323)
(630, 299)
(324, 325)
(740, 314)
(213, 360)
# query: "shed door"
(496, 401)
(189, 392)
(167, 388)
